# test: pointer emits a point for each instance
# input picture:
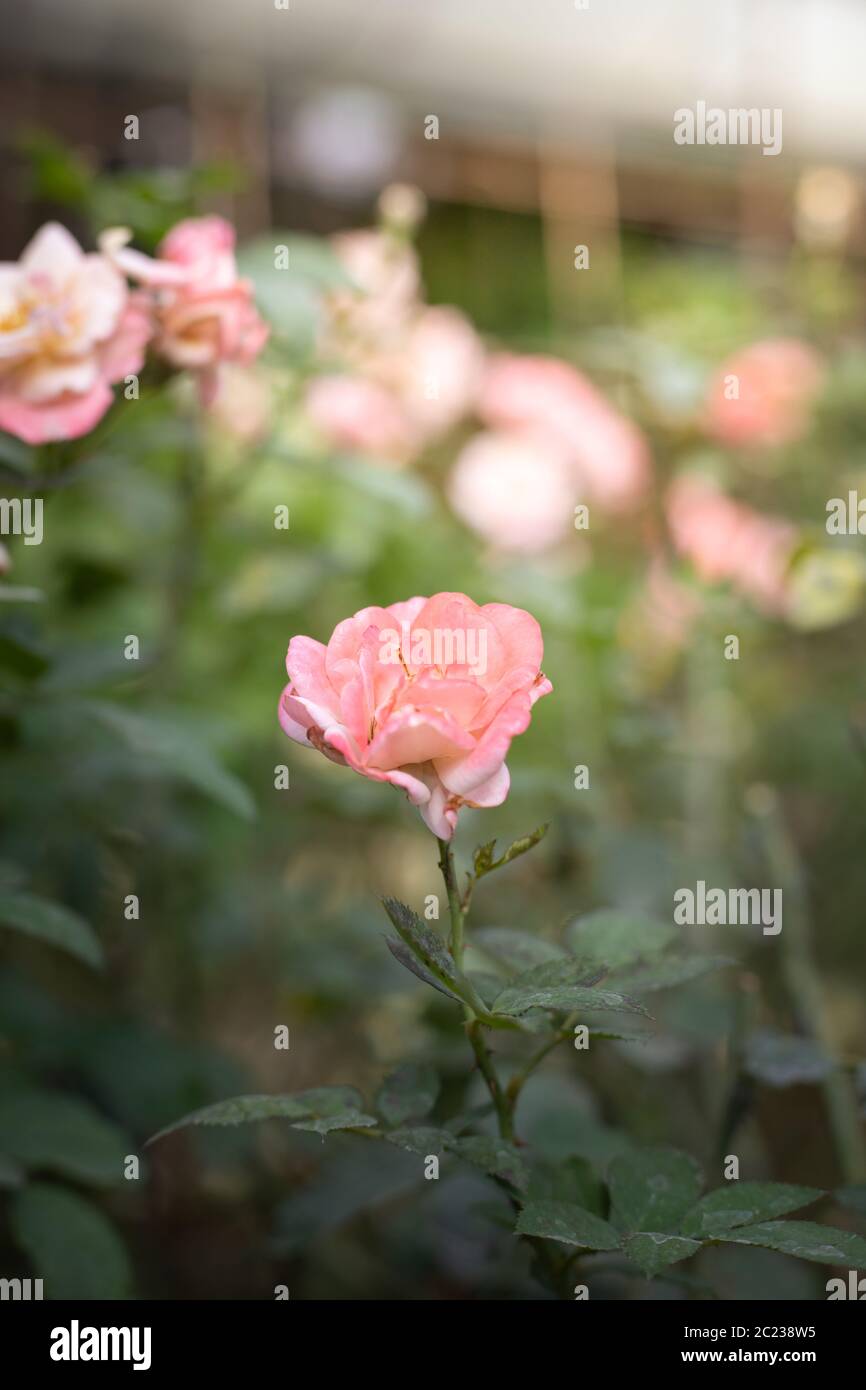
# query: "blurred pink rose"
(69, 329)
(610, 458)
(425, 694)
(764, 394)
(5, 560)
(354, 413)
(206, 314)
(727, 541)
(516, 489)
(387, 284)
(415, 368)
(439, 370)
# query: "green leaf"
(71, 1245)
(321, 1109)
(651, 1189)
(49, 1131)
(615, 938)
(49, 922)
(20, 654)
(652, 1251)
(806, 1239)
(496, 1157)
(559, 985)
(420, 1139)
(569, 1223)
(174, 751)
(781, 1060)
(672, 970)
(484, 863)
(429, 952)
(517, 950)
(573, 1180)
(409, 1093)
(743, 1203)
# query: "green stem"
(504, 1100)
(455, 907)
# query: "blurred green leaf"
(174, 751)
(49, 922)
(518, 950)
(71, 1245)
(49, 1131)
(612, 938)
(781, 1060)
(408, 1093)
(321, 1109)
(665, 973)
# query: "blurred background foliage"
(259, 907)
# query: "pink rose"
(727, 541)
(206, 315)
(5, 560)
(354, 413)
(763, 395)
(515, 488)
(610, 458)
(69, 329)
(426, 695)
(439, 371)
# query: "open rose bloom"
(205, 312)
(69, 329)
(426, 695)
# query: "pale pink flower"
(515, 488)
(206, 314)
(425, 694)
(416, 367)
(610, 458)
(5, 560)
(240, 403)
(439, 371)
(354, 413)
(728, 542)
(763, 395)
(386, 286)
(69, 329)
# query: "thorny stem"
(504, 1098)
